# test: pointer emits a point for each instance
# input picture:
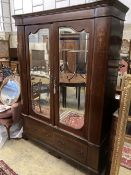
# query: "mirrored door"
(73, 60)
(39, 60)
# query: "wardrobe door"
(39, 65)
(73, 75)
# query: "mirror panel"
(10, 90)
(73, 55)
(40, 72)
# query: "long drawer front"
(71, 147)
(65, 144)
(36, 129)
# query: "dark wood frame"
(78, 25)
(33, 29)
(104, 20)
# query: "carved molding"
(35, 28)
(126, 81)
(121, 125)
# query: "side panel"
(98, 79)
(78, 26)
(110, 104)
(108, 37)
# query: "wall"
(128, 15)
(127, 26)
(127, 32)
(26, 6)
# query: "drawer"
(71, 147)
(66, 144)
(38, 130)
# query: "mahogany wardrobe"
(68, 66)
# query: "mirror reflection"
(73, 53)
(10, 91)
(40, 72)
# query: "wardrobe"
(68, 98)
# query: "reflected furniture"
(37, 89)
(100, 25)
(38, 60)
(78, 82)
(36, 94)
